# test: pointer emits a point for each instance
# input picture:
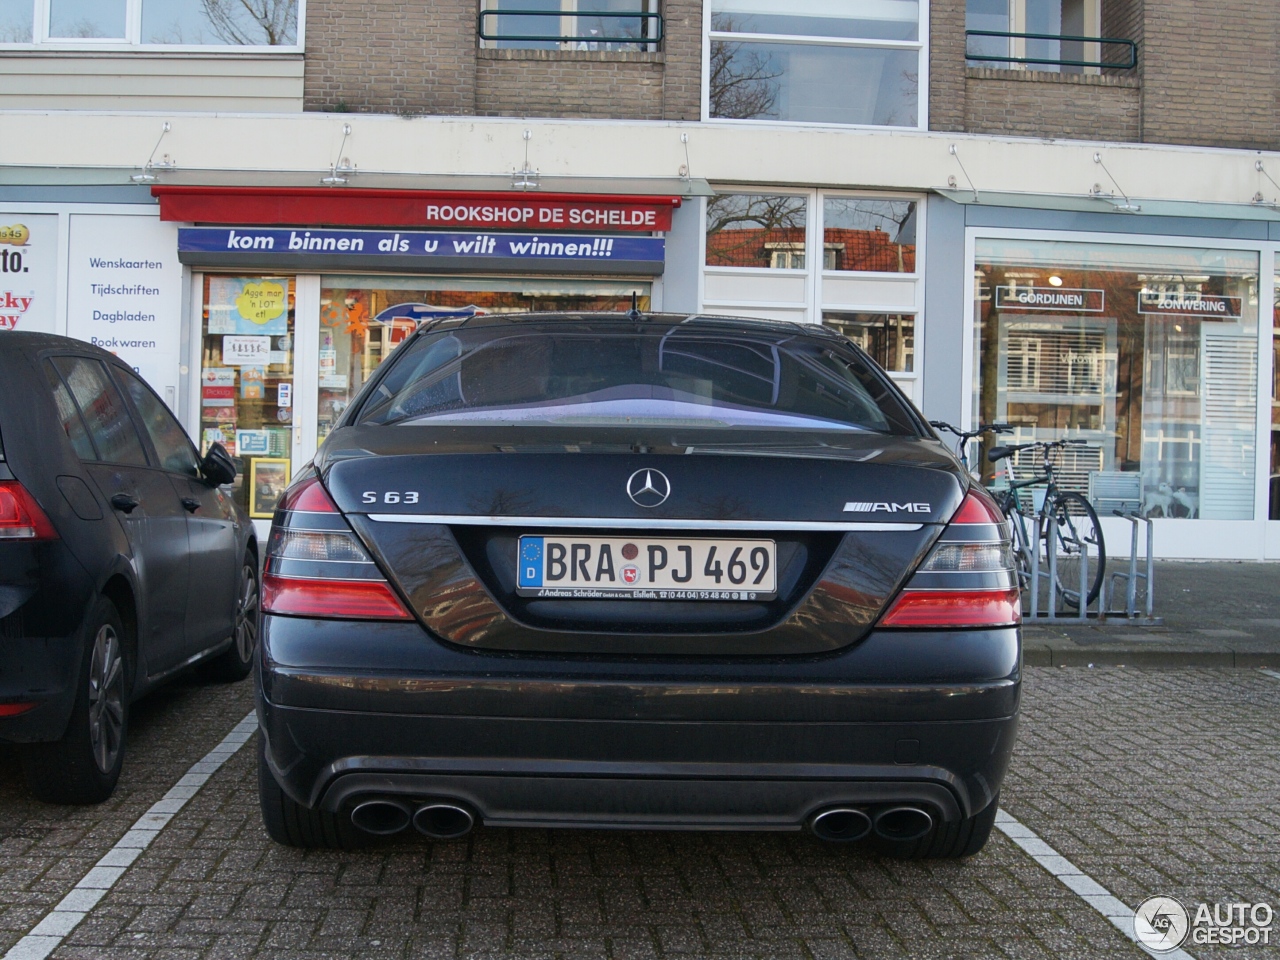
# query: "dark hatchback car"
(122, 563)
(636, 571)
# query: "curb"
(1135, 657)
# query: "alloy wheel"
(247, 615)
(106, 698)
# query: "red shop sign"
(491, 210)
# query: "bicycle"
(964, 436)
(1075, 524)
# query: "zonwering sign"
(1189, 303)
(1059, 299)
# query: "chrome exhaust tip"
(443, 821)
(902, 823)
(381, 817)
(840, 824)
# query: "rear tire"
(236, 662)
(290, 823)
(947, 841)
(84, 765)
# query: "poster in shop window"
(248, 306)
(28, 271)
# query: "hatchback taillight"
(968, 579)
(317, 567)
(20, 516)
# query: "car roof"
(634, 320)
(33, 342)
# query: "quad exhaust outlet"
(846, 824)
(439, 820)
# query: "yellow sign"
(261, 302)
(18, 235)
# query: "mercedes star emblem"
(648, 488)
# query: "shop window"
(620, 26)
(889, 339)
(877, 236)
(362, 319)
(810, 61)
(756, 230)
(1149, 354)
(168, 23)
(247, 380)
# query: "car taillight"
(317, 567)
(20, 516)
(968, 579)
(15, 709)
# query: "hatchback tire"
(84, 765)
(236, 662)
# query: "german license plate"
(647, 569)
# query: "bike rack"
(1131, 578)
(1048, 576)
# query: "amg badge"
(860, 506)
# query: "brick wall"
(946, 65)
(423, 58)
(1122, 19)
(1026, 103)
(391, 57)
(682, 80)
(1210, 73)
(554, 83)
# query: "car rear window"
(687, 376)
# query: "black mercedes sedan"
(122, 563)
(636, 571)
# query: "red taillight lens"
(308, 495)
(20, 516)
(955, 608)
(13, 709)
(978, 507)
(336, 599)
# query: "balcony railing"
(646, 27)
(1127, 48)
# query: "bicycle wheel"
(1008, 504)
(1077, 526)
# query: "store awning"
(541, 209)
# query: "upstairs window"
(618, 26)
(1059, 36)
(816, 61)
(151, 23)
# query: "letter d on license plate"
(667, 568)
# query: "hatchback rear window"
(689, 376)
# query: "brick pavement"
(45, 849)
(1150, 781)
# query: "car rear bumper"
(43, 592)
(350, 712)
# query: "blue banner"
(269, 241)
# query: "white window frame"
(818, 279)
(920, 45)
(132, 41)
